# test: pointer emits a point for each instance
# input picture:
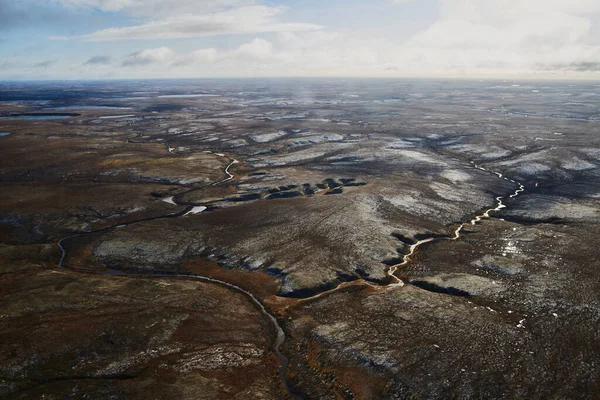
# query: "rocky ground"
(512, 315)
(70, 335)
(288, 196)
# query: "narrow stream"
(456, 233)
(280, 335)
(407, 258)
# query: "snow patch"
(195, 210)
(268, 137)
(169, 200)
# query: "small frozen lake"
(35, 117)
(64, 108)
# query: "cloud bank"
(98, 60)
(251, 19)
(253, 38)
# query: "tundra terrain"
(311, 239)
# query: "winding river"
(456, 233)
(407, 258)
(280, 335)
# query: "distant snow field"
(268, 137)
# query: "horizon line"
(304, 77)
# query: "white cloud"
(205, 55)
(469, 37)
(156, 8)
(197, 57)
(306, 53)
(448, 47)
(505, 35)
(247, 54)
(258, 49)
(510, 10)
(98, 60)
(250, 19)
(160, 55)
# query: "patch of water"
(34, 117)
(63, 108)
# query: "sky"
(121, 39)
